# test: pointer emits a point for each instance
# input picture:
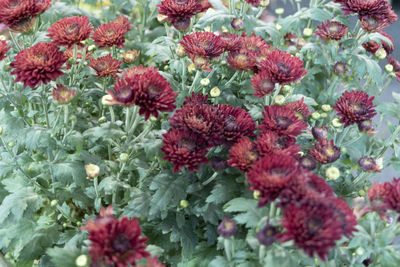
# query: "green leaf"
(249, 215)
(364, 63)
(66, 171)
(317, 14)
(217, 18)
(139, 205)
(64, 257)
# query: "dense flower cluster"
(386, 196)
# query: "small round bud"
(73, 118)
(106, 100)
(320, 132)
(360, 251)
(224, 29)
(182, 25)
(92, 170)
(392, 75)
(161, 18)
(207, 29)
(340, 68)
(123, 157)
(237, 23)
(308, 32)
(332, 173)
(308, 162)
(123, 138)
(227, 228)
(2, 38)
(315, 115)
(389, 68)
(279, 11)
(191, 67)
(326, 107)
(278, 27)
(184, 204)
(336, 123)
(130, 56)
(267, 235)
(205, 82)
(381, 53)
(64, 225)
(54, 202)
(287, 89)
(215, 92)
(180, 51)
(343, 150)
(91, 47)
(264, 3)
(368, 164)
(81, 261)
(324, 114)
(102, 119)
(361, 193)
(11, 144)
(279, 99)
(379, 163)
(256, 194)
(78, 224)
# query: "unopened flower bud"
(224, 29)
(279, 99)
(308, 32)
(256, 194)
(184, 204)
(227, 228)
(278, 27)
(368, 164)
(267, 235)
(124, 157)
(326, 107)
(320, 132)
(379, 163)
(161, 18)
(1, 130)
(54, 202)
(389, 68)
(308, 162)
(361, 193)
(264, 3)
(324, 114)
(106, 100)
(205, 82)
(332, 173)
(315, 115)
(91, 47)
(279, 11)
(367, 127)
(336, 123)
(237, 23)
(102, 119)
(130, 56)
(215, 92)
(287, 89)
(2, 38)
(191, 67)
(92, 170)
(81, 261)
(381, 53)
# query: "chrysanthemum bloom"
(110, 34)
(40, 63)
(300, 109)
(282, 120)
(256, 47)
(340, 68)
(371, 46)
(105, 66)
(131, 72)
(320, 132)
(267, 235)
(202, 120)
(331, 30)
(354, 107)
(368, 164)
(219, 164)
(273, 143)
(254, 3)
(116, 242)
(179, 12)
(262, 84)
(236, 122)
(123, 93)
(153, 93)
(283, 68)
(377, 22)
(20, 15)
(182, 149)
(243, 154)
(227, 228)
(130, 56)
(202, 47)
(196, 99)
(3, 49)
(345, 216)
(312, 226)
(62, 94)
(71, 30)
(232, 42)
(367, 127)
(270, 175)
(325, 151)
(308, 162)
(240, 60)
(378, 196)
(393, 198)
(124, 21)
(395, 63)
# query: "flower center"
(267, 85)
(153, 91)
(124, 94)
(187, 143)
(314, 225)
(230, 123)
(283, 68)
(283, 122)
(333, 28)
(121, 244)
(73, 29)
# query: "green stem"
(385, 86)
(112, 114)
(196, 77)
(232, 78)
(96, 186)
(15, 42)
(44, 104)
(212, 178)
(272, 208)
(134, 120)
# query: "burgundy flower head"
(368, 164)
(110, 34)
(179, 12)
(395, 63)
(367, 127)
(331, 30)
(300, 109)
(71, 30)
(232, 42)
(40, 63)
(105, 66)
(385, 196)
(196, 99)
(354, 107)
(270, 175)
(345, 216)
(282, 120)
(371, 46)
(308, 162)
(116, 242)
(273, 143)
(240, 60)
(254, 3)
(320, 132)
(182, 149)
(63, 94)
(227, 228)
(283, 68)
(389, 48)
(267, 235)
(124, 21)
(262, 84)
(243, 154)
(325, 151)
(131, 72)
(236, 122)
(123, 93)
(3, 49)
(340, 68)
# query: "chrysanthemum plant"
(195, 133)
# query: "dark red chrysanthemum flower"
(254, 3)
(202, 45)
(196, 99)
(116, 242)
(3, 49)
(105, 66)
(256, 47)
(325, 151)
(232, 42)
(227, 228)
(123, 92)
(153, 93)
(283, 68)
(124, 21)
(312, 226)
(320, 132)
(345, 216)
(354, 107)
(62, 94)
(240, 60)
(20, 15)
(331, 30)
(110, 34)
(131, 72)
(243, 154)
(236, 122)
(40, 63)
(270, 175)
(70, 31)
(389, 48)
(395, 63)
(273, 143)
(200, 119)
(340, 68)
(282, 120)
(308, 162)
(371, 46)
(378, 196)
(262, 84)
(182, 149)
(368, 164)
(179, 12)
(300, 109)
(366, 127)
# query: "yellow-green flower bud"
(278, 27)
(180, 51)
(361, 193)
(308, 32)
(54, 202)
(2, 38)
(264, 3)
(326, 107)
(81, 261)
(315, 115)
(389, 68)
(92, 170)
(102, 119)
(279, 11)
(124, 157)
(287, 89)
(336, 123)
(256, 194)
(184, 204)
(205, 82)
(161, 18)
(324, 114)
(1, 130)
(224, 29)
(381, 53)
(279, 99)
(106, 100)
(191, 67)
(332, 173)
(215, 92)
